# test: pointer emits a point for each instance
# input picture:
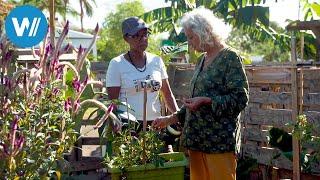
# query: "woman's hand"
(161, 122)
(194, 103)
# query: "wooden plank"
(304, 25)
(268, 97)
(269, 75)
(278, 118)
(312, 108)
(255, 134)
(273, 117)
(91, 158)
(85, 165)
(93, 141)
(267, 64)
(181, 82)
(312, 85)
(311, 74)
(312, 99)
(267, 156)
(313, 117)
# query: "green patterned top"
(214, 128)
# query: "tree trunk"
(81, 15)
(65, 10)
(52, 21)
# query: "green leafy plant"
(129, 149)
(302, 130)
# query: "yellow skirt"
(221, 166)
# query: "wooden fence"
(269, 106)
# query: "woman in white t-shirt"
(128, 73)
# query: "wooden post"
(301, 76)
(144, 122)
(145, 108)
(294, 89)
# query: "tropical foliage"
(235, 12)
(311, 10)
(270, 50)
(86, 6)
(246, 15)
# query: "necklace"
(138, 69)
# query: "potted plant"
(138, 157)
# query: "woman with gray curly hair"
(218, 93)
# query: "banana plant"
(310, 10)
(247, 15)
(234, 12)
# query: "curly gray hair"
(201, 22)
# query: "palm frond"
(88, 7)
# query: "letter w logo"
(25, 25)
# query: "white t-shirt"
(122, 73)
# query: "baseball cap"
(132, 25)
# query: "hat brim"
(136, 30)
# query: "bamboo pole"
(294, 88)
